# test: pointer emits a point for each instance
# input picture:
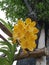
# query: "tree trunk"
(41, 44)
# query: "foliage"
(21, 30)
(42, 9)
(7, 47)
(17, 9)
(9, 51)
(14, 8)
(8, 25)
(4, 61)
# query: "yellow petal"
(27, 44)
(23, 43)
(34, 37)
(31, 46)
(33, 24)
(21, 23)
(15, 27)
(28, 21)
(35, 30)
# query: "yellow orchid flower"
(19, 30)
(28, 44)
(26, 32)
(33, 30)
(28, 41)
(31, 27)
(31, 46)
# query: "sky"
(2, 16)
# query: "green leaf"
(6, 43)
(13, 49)
(10, 54)
(4, 61)
(4, 51)
(6, 48)
(13, 52)
(10, 25)
(6, 25)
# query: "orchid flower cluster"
(26, 32)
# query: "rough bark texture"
(42, 60)
(47, 58)
(35, 54)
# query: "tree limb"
(31, 13)
(28, 6)
(36, 54)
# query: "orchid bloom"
(26, 33)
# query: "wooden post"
(41, 44)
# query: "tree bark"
(35, 54)
(41, 44)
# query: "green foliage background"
(17, 9)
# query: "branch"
(36, 54)
(28, 6)
(31, 14)
(4, 29)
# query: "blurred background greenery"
(17, 9)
